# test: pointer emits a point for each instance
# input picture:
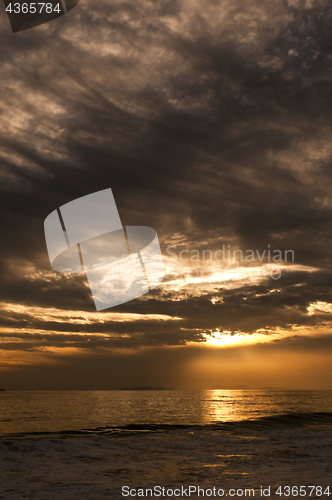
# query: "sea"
(33, 413)
(98, 445)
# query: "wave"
(277, 421)
(291, 419)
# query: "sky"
(211, 121)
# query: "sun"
(227, 338)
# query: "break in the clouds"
(211, 122)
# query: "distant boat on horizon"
(145, 388)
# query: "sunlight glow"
(227, 338)
(319, 307)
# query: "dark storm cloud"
(96, 342)
(208, 120)
(245, 309)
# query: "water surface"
(56, 411)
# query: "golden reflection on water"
(223, 406)
(60, 410)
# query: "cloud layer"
(211, 122)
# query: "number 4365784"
(302, 491)
(32, 8)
